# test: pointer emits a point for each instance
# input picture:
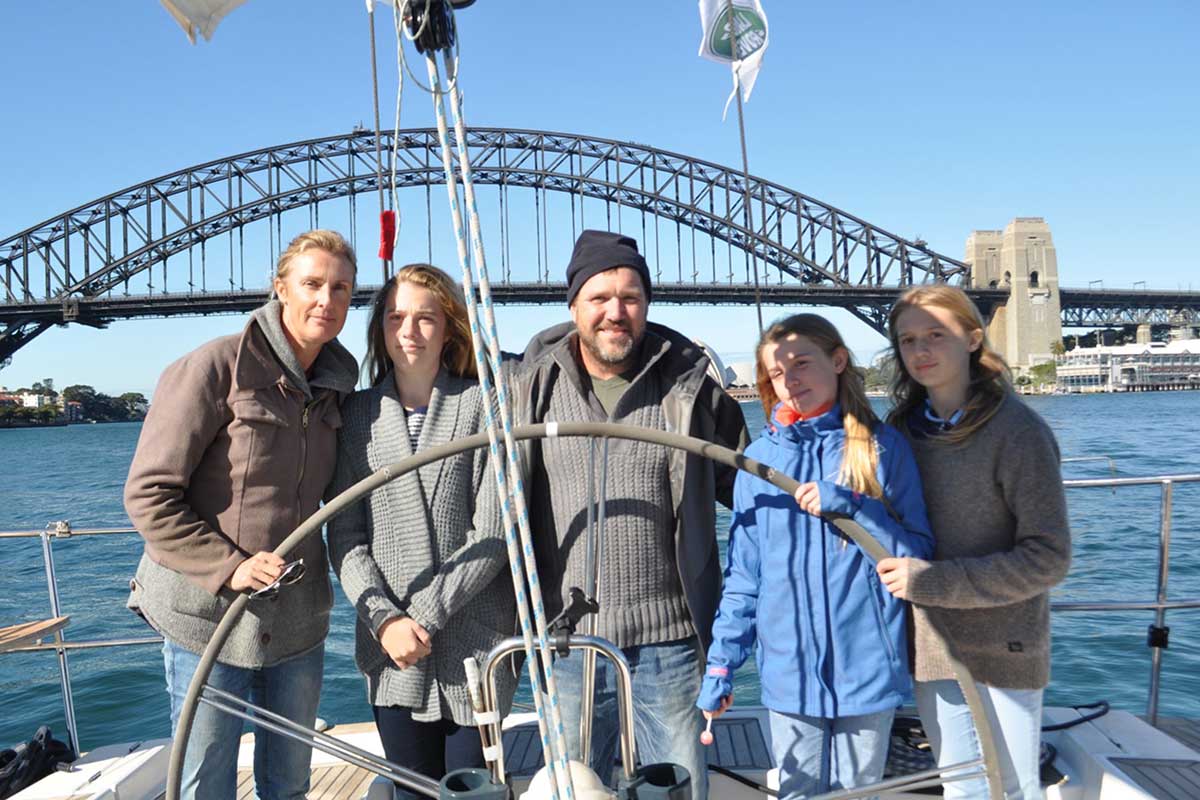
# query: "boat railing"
(62, 530)
(1158, 634)
(1157, 638)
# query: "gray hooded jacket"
(232, 457)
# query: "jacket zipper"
(303, 454)
(876, 605)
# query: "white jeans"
(1016, 720)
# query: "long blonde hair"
(990, 378)
(458, 357)
(860, 457)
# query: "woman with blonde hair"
(831, 643)
(236, 452)
(990, 468)
(422, 559)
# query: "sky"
(928, 119)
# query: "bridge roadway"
(107, 308)
(1080, 307)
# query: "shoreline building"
(1144, 367)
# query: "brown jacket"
(231, 458)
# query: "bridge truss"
(81, 266)
(1110, 308)
(179, 244)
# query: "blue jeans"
(817, 755)
(667, 724)
(1016, 720)
(291, 689)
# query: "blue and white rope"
(521, 555)
(516, 485)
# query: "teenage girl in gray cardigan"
(422, 559)
(990, 469)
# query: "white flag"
(750, 25)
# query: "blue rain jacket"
(831, 640)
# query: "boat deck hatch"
(737, 744)
(1163, 778)
(1187, 731)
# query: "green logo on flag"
(751, 33)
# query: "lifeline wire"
(556, 761)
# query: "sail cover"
(199, 16)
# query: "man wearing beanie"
(660, 579)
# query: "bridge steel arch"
(77, 266)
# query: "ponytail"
(860, 456)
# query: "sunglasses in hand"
(292, 572)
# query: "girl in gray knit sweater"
(990, 470)
(422, 559)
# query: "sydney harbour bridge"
(201, 240)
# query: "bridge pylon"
(1023, 260)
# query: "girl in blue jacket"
(831, 646)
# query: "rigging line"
(516, 486)
(428, 214)
(678, 236)
(375, 97)
(398, 23)
(191, 250)
(229, 200)
(507, 245)
(203, 252)
(504, 233)
(607, 203)
(503, 482)
(539, 201)
(353, 219)
(412, 37)
(545, 223)
(737, 90)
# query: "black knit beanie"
(597, 251)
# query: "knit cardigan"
(1003, 539)
(429, 545)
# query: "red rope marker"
(387, 234)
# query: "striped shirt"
(415, 417)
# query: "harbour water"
(76, 473)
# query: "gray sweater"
(429, 545)
(691, 403)
(999, 517)
(640, 594)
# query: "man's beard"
(612, 354)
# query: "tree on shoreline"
(23, 414)
(100, 407)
